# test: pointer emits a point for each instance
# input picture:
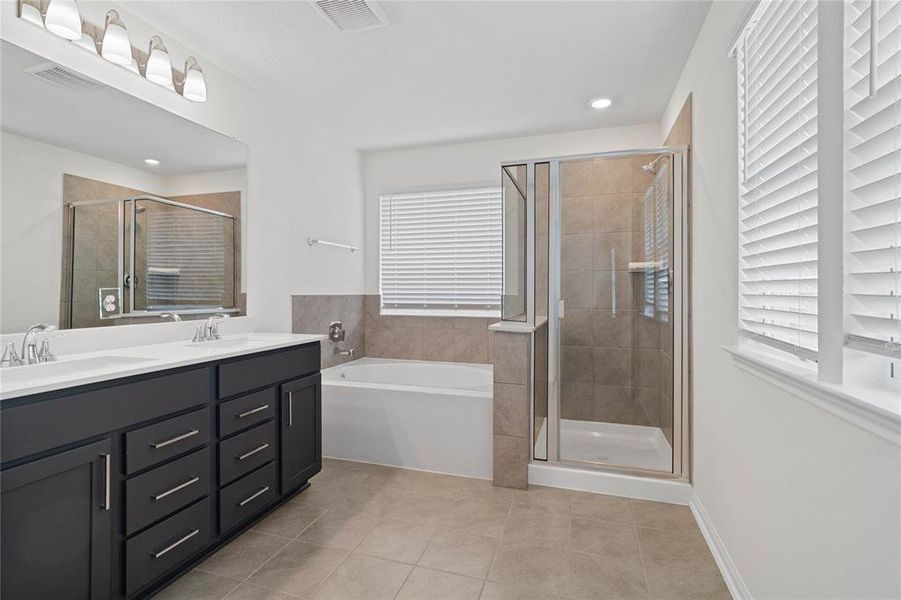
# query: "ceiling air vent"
(351, 15)
(62, 77)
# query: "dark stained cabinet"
(56, 526)
(111, 490)
(301, 431)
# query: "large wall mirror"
(112, 210)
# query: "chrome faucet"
(345, 351)
(336, 333)
(30, 353)
(209, 331)
(174, 316)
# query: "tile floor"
(370, 532)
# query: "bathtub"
(424, 415)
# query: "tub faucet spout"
(345, 351)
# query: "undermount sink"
(67, 367)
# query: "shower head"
(651, 167)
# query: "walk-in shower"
(595, 249)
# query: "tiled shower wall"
(611, 360)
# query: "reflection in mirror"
(513, 184)
(113, 211)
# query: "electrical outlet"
(109, 299)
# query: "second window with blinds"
(441, 253)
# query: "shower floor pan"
(634, 446)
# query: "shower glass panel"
(616, 338)
(514, 184)
(540, 337)
(183, 258)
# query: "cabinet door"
(301, 431)
(56, 535)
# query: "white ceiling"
(448, 71)
(107, 123)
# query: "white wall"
(807, 504)
(302, 181)
(456, 165)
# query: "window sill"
(878, 411)
(413, 312)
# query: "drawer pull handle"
(250, 453)
(106, 482)
(179, 487)
(175, 544)
(252, 411)
(177, 438)
(256, 495)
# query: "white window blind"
(873, 173)
(777, 95)
(442, 251)
(656, 206)
(189, 258)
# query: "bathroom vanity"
(112, 487)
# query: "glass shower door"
(616, 352)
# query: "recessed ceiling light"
(600, 103)
(152, 162)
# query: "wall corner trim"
(721, 555)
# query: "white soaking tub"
(424, 415)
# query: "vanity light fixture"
(152, 162)
(600, 103)
(62, 19)
(194, 88)
(159, 67)
(116, 47)
(31, 13)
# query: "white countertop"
(91, 367)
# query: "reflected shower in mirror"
(114, 211)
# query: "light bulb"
(115, 46)
(63, 19)
(159, 67)
(195, 84)
(600, 103)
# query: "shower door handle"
(613, 281)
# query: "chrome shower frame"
(681, 456)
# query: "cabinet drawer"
(246, 451)
(164, 490)
(248, 496)
(246, 374)
(165, 546)
(37, 426)
(148, 446)
(246, 411)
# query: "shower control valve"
(336, 331)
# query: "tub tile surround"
(445, 339)
(465, 539)
(314, 313)
(512, 437)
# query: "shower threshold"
(621, 445)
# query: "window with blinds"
(442, 251)
(189, 258)
(777, 96)
(873, 174)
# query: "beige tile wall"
(314, 313)
(610, 363)
(512, 382)
(450, 339)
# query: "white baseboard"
(615, 484)
(724, 561)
